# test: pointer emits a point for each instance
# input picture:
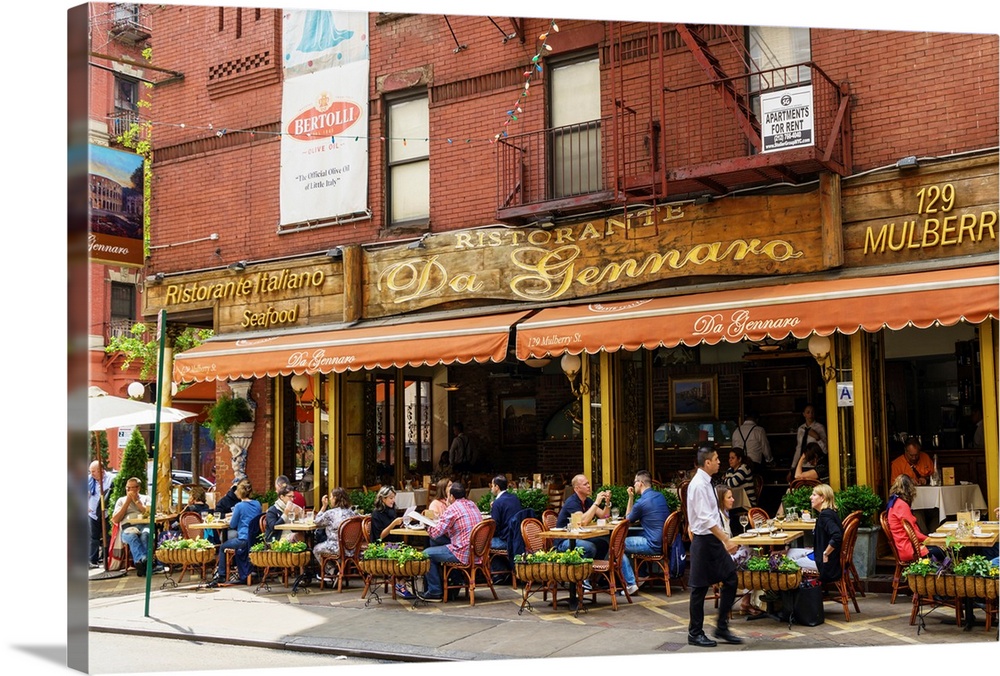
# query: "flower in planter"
(569, 557)
(775, 562)
(280, 546)
(178, 543)
(393, 551)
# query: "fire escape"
(693, 132)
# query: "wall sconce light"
(908, 162)
(819, 348)
(704, 199)
(571, 364)
(136, 390)
(417, 244)
(155, 279)
(450, 387)
(238, 266)
(300, 383)
(537, 363)
(336, 253)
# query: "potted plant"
(279, 554)
(532, 498)
(226, 413)
(553, 566)
(797, 501)
(769, 572)
(867, 501)
(185, 552)
(968, 577)
(363, 502)
(392, 559)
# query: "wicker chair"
(531, 533)
(662, 560)
(682, 492)
(855, 576)
(555, 498)
(799, 483)
(845, 583)
(756, 515)
(758, 487)
(897, 575)
(479, 548)
(549, 519)
(350, 537)
(611, 568)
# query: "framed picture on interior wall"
(517, 421)
(694, 398)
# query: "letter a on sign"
(845, 395)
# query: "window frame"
(392, 164)
(562, 186)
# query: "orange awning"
(918, 299)
(350, 349)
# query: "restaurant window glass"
(777, 47)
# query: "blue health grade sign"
(786, 118)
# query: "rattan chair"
(184, 520)
(549, 519)
(897, 575)
(799, 483)
(845, 583)
(852, 569)
(682, 492)
(671, 527)
(610, 569)
(757, 514)
(555, 498)
(479, 548)
(918, 600)
(350, 539)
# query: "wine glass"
(615, 513)
(744, 520)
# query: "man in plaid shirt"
(456, 523)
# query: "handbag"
(809, 604)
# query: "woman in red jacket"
(900, 498)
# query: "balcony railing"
(121, 121)
(708, 143)
(118, 327)
(130, 22)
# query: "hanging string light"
(533, 68)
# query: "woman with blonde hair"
(827, 534)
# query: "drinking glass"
(217, 516)
(744, 520)
(975, 516)
(615, 513)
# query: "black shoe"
(140, 568)
(727, 636)
(701, 641)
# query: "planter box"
(768, 581)
(390, 568)
(952, 585)
(185, 557)
(866, 551)
(269, 559)
(553, 572)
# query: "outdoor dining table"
(987, 538)
(949, 500)
(222, 526)
(414, 498)
(410, 532)
(774, 539)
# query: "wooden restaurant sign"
(746, 236)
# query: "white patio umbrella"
(105, 411)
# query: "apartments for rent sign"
(324, 114)
(787, 118)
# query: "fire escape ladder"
(732, 98)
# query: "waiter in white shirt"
(809, 432)
(752, 438)
(711, 551)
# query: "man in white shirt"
(98, 485)
(811, 431)
(134, 505)
(711, 554)
(752, 438)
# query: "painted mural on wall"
(115, 206)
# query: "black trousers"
(96, 537)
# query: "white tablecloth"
(948, 499)
(475, 493)
(414, 498)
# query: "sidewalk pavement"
(344, 624)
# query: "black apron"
(710, 562)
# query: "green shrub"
(533, 498)
(798, 500)
(854, 498)
(362, 501)
(484, 502)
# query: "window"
(126, 111)
(776, 47)
(122, 308)
(408, 161)
(575, 117)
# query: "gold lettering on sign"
(937, 228)
(262, 283)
